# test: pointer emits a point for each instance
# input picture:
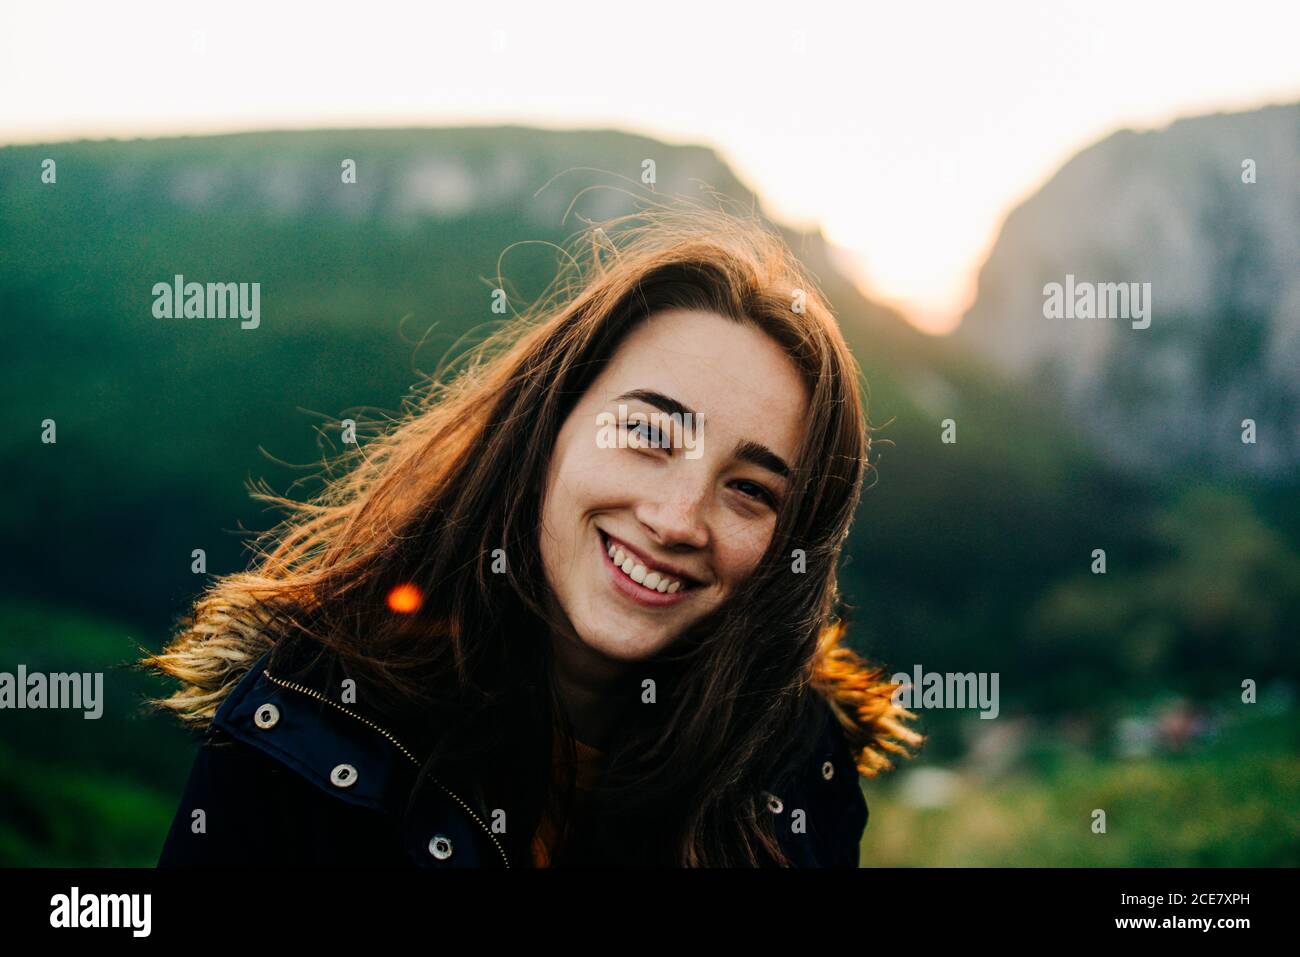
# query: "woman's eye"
(646, 435)
(757, 492)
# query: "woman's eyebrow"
(755, 453)
(658, 400)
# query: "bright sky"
(905, 130)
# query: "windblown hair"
(429, 498)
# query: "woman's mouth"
(634, 577)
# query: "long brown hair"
(428, 501)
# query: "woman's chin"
(616, 641)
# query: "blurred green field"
(84, 792)
(1236, 803)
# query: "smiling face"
(640, 540)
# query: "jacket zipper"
(310, 692)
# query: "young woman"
(577, 607)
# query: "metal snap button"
(343, 776)
(440, 846)
(828, 770)
(774, 804)
(267, 716)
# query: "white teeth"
(655, 581)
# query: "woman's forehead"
(682, 343)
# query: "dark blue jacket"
(287, 775)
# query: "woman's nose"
(678, 519)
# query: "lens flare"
(405, 599)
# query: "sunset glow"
(889, 127)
